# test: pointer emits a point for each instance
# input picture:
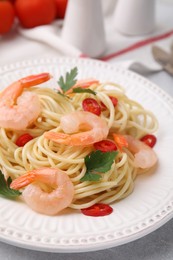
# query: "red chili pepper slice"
(114, 102)
(105, 146)
(91, 105)
(149, 140)
(23, 139)
(97, 210)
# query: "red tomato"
(97, 210)
(91, 105)
(7, 15)
(149, 140)
(105, 146)
(114, 102)
(23, 139)
(61, 6)
(36, 12)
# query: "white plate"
(146, 209)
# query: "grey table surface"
(156, 246)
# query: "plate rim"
(56, 248)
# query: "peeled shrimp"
(74, 125)
(19, 109)
(86, 83)
(145, 156)
(59, 196)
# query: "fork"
(164, 58)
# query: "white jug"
(135, 17)
(84, 27)
(108, 6)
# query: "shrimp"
(86, 83)
(96, 129)
(20, 109)
(59, 196)
(145, 156)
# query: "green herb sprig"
(67, 82)
(5, 189)
(84, 90)
(98, 162)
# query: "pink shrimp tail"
(9, 95)
(23, 181)
(86, 83)
(83, 84)
(58, 137)
(33, 80)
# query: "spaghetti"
(126, 118)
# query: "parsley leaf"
(63, 95)
(98, 162)
(91, 177)
(5, 189)
(69, 81)
(84, 90)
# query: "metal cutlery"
(165, 59)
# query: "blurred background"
(102, 29)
